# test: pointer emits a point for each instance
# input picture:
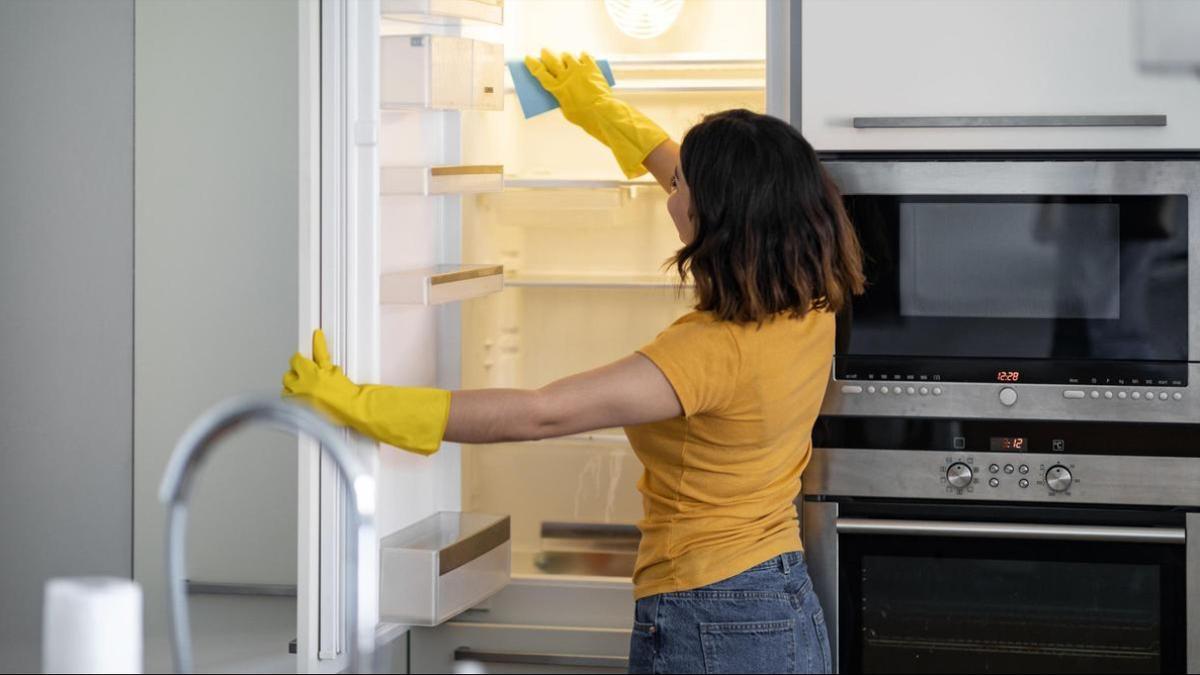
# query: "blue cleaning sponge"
(534, 98)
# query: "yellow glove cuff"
(412, 418)
(587, 101)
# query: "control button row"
(1009, 468)
(894, 389)
(1122, 395)
(995, 482)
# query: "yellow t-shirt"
(720, 482)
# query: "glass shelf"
(520, 182)
(550, 280)
(598, 484)
(655, 86)
(443, 12)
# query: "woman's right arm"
(587, 101)
(661, 162)
(623, 393)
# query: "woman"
(719, 407)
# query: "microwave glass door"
(1009, 283)
(967, 605)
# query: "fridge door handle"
(938, 528)
(541, 659)
(948, 122)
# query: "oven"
(1015, 546)
(1022, 287)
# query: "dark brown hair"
(771, 233)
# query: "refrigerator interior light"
(643, 19)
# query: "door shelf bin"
(441, 72)
(441, 284)
(438, 567)
(440, 180)
(444, 11)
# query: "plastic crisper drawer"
(440, 566)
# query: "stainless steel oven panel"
(1192, 570)
(1017, 178)
(821, 525)
(940, 528)
(922, 474)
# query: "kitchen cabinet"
(865, 63)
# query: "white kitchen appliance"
(449, 242)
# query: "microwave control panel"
(936, 398)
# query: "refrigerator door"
(338, 290)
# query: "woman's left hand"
(412, 418)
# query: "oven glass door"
(1032, 288)
(973, 605)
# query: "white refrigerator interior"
(583, 251)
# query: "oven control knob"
(1058, 478)
(959, 475)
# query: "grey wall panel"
(217, 276)
(66, 303)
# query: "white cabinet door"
(984, 58)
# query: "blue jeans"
(764, 620)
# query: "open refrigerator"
(447, 241)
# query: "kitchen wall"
(66, 298)
(217, 276)
(109, 348)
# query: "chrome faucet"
(362, 564)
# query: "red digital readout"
(1008, 376)
(1006, 443)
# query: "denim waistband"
(783, 562)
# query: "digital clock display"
(1008, 376)
(1009, 444)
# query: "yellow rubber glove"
(587, 101)
(413, 418)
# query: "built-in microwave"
(1022, 286)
